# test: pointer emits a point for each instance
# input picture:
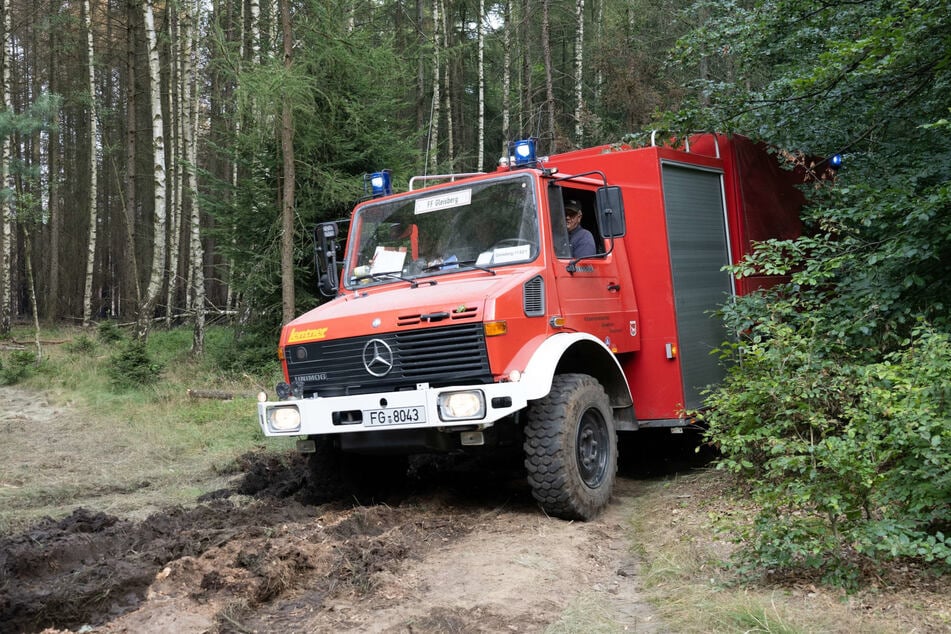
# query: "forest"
(169, 159)
(166, 163)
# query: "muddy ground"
(461, 548)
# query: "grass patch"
(587, 613)
(679, 529)
(69, 438)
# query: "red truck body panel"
(760, 201)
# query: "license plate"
(395, 416)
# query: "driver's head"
(572, 213)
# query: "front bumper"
(408, 409)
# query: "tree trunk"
(421, 73)
(447, 87)
(196, 253)
(526, 115)
(254, 24)
(52, 298)
(507, 75)
(152, 294)
(433, 150)
(6, 244)
(175, 174)
(549, 83)
(93, 169)
(599, 74)
(480, 161)
(579, 73)
(287, 207)
(130, 259)
(31, 288)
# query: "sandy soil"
(462, 549)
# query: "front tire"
(339, 476)
(326, 465)
(571, 448)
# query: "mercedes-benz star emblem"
(378, 357)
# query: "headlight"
(283, 418)
(468, 405)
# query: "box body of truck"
(462, 320)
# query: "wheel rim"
(592, 448)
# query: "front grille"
(438, 356)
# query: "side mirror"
(325, 258)
(610, 212)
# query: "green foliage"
(346, 91)
(109, 332)
(81, 345)
(255, 353)
(20, 365)
(838, 408)
(849, 459)
(133, 366)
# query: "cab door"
(595, 294)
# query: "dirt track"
(462, 549)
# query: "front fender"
(576, 352)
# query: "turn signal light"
(495, 328)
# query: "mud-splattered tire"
(571, 448)
(326, 481)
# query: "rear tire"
(571, 448)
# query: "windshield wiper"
(472, 265)
(464, 265)
(394, 275)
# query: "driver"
(582, 242)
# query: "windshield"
(477, 225)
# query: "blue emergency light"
(524, 152)
(380, 184)
(835, 161)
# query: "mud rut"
(260, 557)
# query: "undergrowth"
(848, 459)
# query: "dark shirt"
(582, 243)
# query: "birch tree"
(175, 177)
(196, 256)
(480, 161)
(549, 82)
(6, 201)
(579, 71)
(93, 159)
(507, 72)
(433, 149)
(147, 308)
(446, 91)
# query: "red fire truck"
(461, 320)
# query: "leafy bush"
(132, 366)
(850, 461)
(20, 365)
